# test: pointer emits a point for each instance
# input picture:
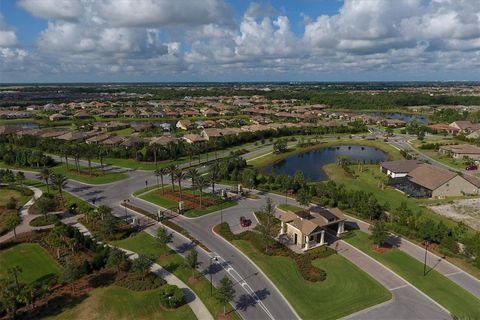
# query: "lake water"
(27, 125)
(311, 162)
(401, 116)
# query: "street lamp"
(425, 260)
(125, 201)
(211, 273)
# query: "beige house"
(306, 229)
(430, 181)
(459, 151)
(184, 124)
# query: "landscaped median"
(85, 175)
(196, 204)
(317, 284)
(455, 299)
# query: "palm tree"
(20, 177)
(60, 181)
(171, 171)
(101, 154)
(214, 175)
(65, 150)
(192, 174)
(163, 173)
(45, 175)
(180, 175)
(157, 172)
(201, 184)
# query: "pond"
(26, 125)
(401, 116)
(311, 162)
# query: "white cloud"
(53, 9)
(138, 13)
(198, 38)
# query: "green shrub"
(45, 220)
(171, 296)
(11, 203)
(133, 281)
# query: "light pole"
(425, 260)
(211, 274)
(125, 201)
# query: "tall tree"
(192, 173)
(225, 293)
(303, 196)
(379, 233)
(192, 259)
(45, 175)
(20, 177)
(201, 184)
(171, 171)
(60, 182)
(180, 176)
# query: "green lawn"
(145, 244)
(454, 298)
(346, 290)
(123, 132)
(97, 177)
(155, 196)
(32, 259)
(114, 302)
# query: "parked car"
(472, 167)
(244, 222)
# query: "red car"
(471, 167)
(244, 222)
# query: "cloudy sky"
(238, 40)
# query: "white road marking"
(399, 287)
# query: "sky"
(238, 40)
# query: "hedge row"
(134, 281)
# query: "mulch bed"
(385, 248)
(190, 200)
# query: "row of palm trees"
(177, 175)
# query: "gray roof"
(401, 166)
(430, 177)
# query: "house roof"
(309, 220)
(162, 140)
(401, 166)
(430, 177)
(462, 148)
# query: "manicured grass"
(123, 132)
(454, 298)
(142, 243)
(290, 207)
(97, 177)
(31, 258)
(346, 290)
(114, 302)
(145, 244)
(262, 162)
(155, 196)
